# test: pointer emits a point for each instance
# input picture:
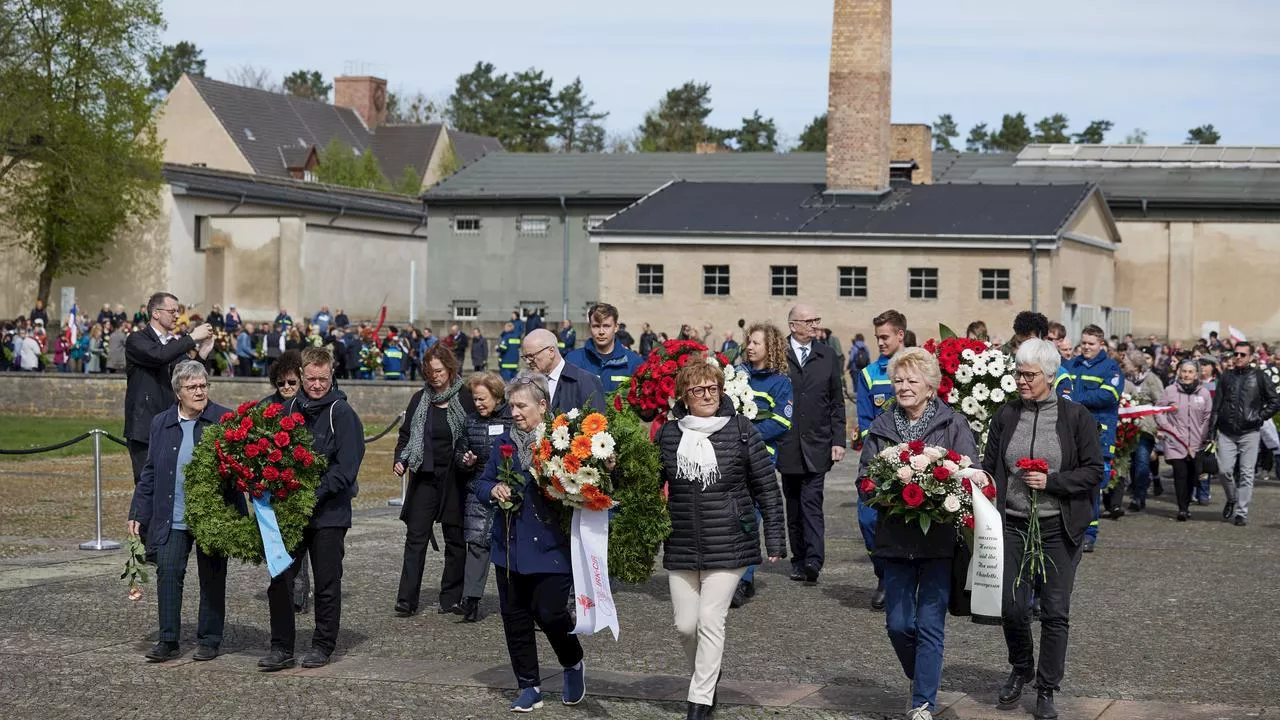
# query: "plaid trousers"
(171, 571)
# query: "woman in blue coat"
(765, 353)
(531, 555)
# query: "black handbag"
(958, 605)
(1206, 462)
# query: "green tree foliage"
(481, 102)
(1137, 137)
(449, 163)
(979, 139)
(340, 164)
(1203, 135)
(576, 122)
(679, 122)
(1013, 135)
(307, 84)
(531, 115)
(415, 109)
(89, 159)
(1094, 134)
(409, 183)
(1052, 129)
(944, 128)
(757, 134)
(171, 63)
(814, 136)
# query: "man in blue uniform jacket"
(602, 356)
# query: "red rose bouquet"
(1034, 562)
(924, 484)
(1127, 432)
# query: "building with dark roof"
(209, 123)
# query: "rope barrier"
(50, 448)
(385, 430)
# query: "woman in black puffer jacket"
(718, 472)
(491, 418)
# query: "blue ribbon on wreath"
(278, 558)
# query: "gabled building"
(219, 125)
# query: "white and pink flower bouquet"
(925, 484)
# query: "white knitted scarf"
(696, 457)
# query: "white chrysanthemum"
(996, 369)
(951, 504)
(953, 397)
(969, 406)
(982, 413)
(750, 411)
(570, 482)
(979, 367)
(560, 438)
(573, 414)
(601, 445)
(980, 392)
(588, 476)
(975, 426)
(964, 374)
(968, 354)
(997, 396)
(1008, 384)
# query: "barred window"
(852, 282)
(995, 284)
(534, 224)
(466, 224)
(715, 279)
(465, 311)
(924, 284)
(784, 280)
(649, 279)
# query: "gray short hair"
(1138, 359)
(1042, 354)
(529, 382)
(188, 370)
(1191, 364)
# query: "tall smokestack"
(858, 135)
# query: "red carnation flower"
(245, 407)
(282, 439)
(229, 435)
(282, 494)
(299, 452)
(273, 410)
(286, 476)
(941, 473)
(251, 451)
(912, 495)
(297, 418)
(227, 417)
(293, 485)
(287, 423)
(241, 486)
(246, 423)
(270, 472)
(264, 444)
(867, 486)
(507, 451)
(275, 456)
(617, 403)
(916, 446)
(989, 491)
(968, 521)
(953, 456)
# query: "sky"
(1161, 65)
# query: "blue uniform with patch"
(775, 402)
(612, 369)
(392, 359)
(874, 392)
(1096, 384)
(509, 355)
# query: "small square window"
(648, 279)
(995, 284)
(924, 284)
(465, 311)
(851, 282)
(784, 280)
(466, 224)
(591, 222)
(715, 279)
(534, 224)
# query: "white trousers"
(700, 600)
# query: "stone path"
(1170, 620)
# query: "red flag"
(377, 331)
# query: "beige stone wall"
(958, 303)
(373, 269)
(914, 142)
(1089, 270)
(859, 96)
(193, 135)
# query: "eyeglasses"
(1027, 377)
(702, 391)
(171, 311)
(811, 322)
(287, 383)
(1243, 354)
(528, 357)
(202, 387)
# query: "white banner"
(986, 569)
(589, 548)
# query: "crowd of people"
(729, 480)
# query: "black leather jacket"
(1245, 399)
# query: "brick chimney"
(365, 94)
(858, 134)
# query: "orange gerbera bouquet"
(569, 461)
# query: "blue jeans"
(1142, 469)
(867, 519)
(1092, 531)
(916, 596)
(750, 575)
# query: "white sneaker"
(920, 713)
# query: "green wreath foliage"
(641, 523)
(218, 527)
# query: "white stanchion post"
(98, 543)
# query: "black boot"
(470, 609)
(1011, 691)
(1045, 709)
(698, 712)
(877, 597)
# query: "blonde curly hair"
(775, 347)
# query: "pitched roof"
(261, 122)
(802, 210)
(1183, 185)
(296, 156)
(397, 147)
(470, 147)
(244, 187)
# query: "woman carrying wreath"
(530, 552)
(434, 422)
(286, 377)
(718, 471)
(158, 514)
(1063, 434)
(917, 565)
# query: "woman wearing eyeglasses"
(718, 472)
(433, 423)
(1064, 434)
(286, 377)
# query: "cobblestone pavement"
(1169, 620)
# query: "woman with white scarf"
(718, 472)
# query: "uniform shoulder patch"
(786, 411)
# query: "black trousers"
(326, 546)
(1055, 601)
(806, 526)
(1186, 475)
(541, 599)
(137, 458)
(432, 497)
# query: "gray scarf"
(910, 430)
(456, 416)
(523, 440)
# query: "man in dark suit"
(569, 386)
(815, 442)
(150, 355)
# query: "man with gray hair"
(569, 386)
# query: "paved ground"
(1170, 620)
